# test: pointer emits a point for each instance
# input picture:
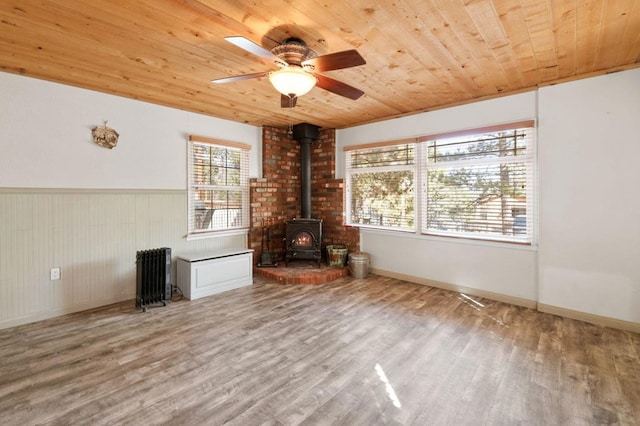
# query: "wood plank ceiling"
(421, 54)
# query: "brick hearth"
(300, 272)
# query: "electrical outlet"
(55, 274)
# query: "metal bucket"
(337, 255)
(359, 264)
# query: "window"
(474, 184)
(218, 185)
(381, 186)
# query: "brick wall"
(275, 198)
(327, 193)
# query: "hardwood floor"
(354, 352)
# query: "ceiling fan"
(298, 69)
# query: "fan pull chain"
(290, 132)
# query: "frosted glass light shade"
(292, 81)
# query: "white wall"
(588, 234)
(45, 136)
(497, 268)
(589, 165)
(66, 202)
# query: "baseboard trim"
(531, 304)
(590, 318)
(28, 319)
(518, 301)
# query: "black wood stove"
(303, 240)
(303, 236)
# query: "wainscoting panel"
(92, 236)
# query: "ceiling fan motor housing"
(293, 51)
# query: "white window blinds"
(380, 186)
(218, 185)
(479, 185)
(476, 183)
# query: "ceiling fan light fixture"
(292, 81)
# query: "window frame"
(195, 232)
(352, 172)
(421, 183)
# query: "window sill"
(449, 239)
(217, 234)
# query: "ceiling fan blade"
(287, 102)
(239, 77)
(338, 87)
(336, 61)
(251, 47)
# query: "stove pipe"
(306, 134)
